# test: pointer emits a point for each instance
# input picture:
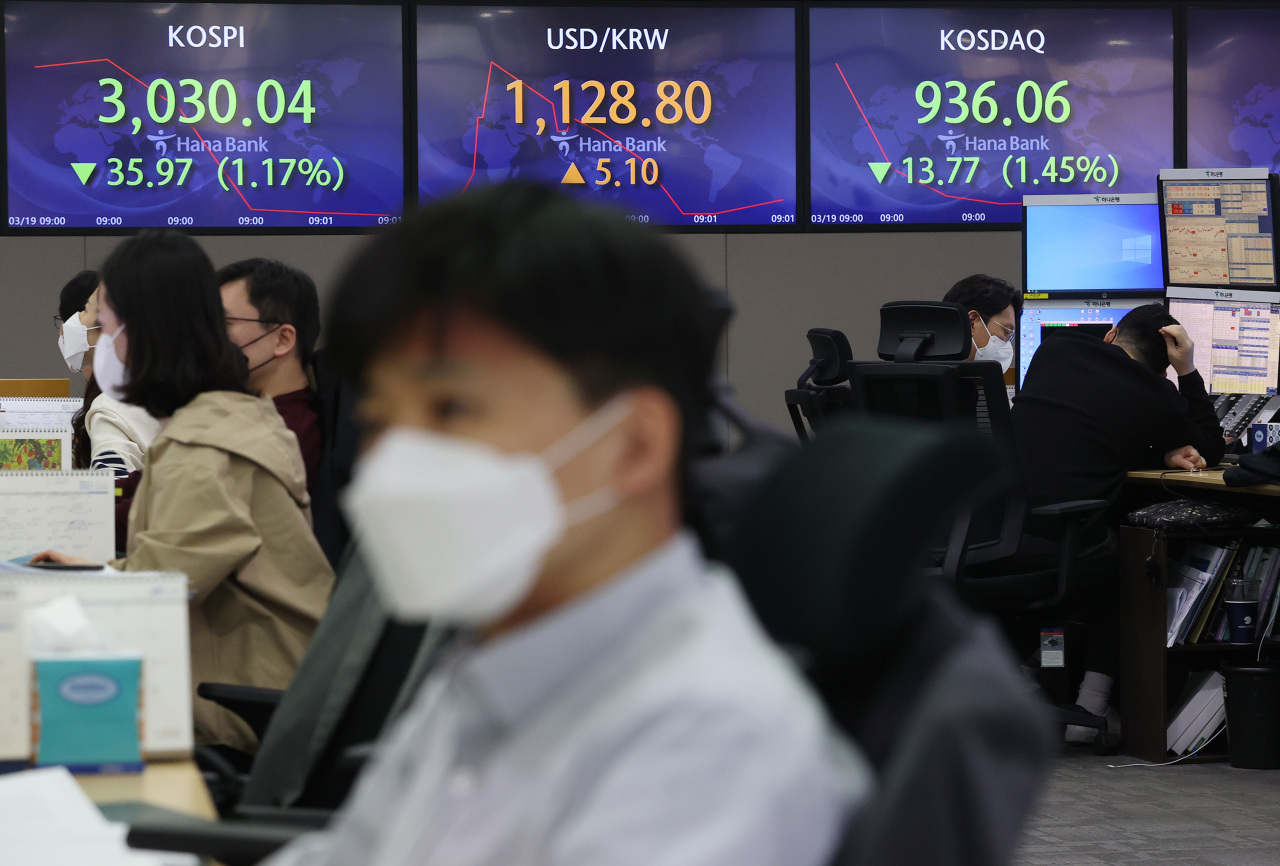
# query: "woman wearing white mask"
(106, 434)
(223, 496)
(994, 306)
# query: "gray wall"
(782, 285)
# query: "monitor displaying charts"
(1219, 226)
(680, 115)
(1236, 334)
(203, 116)
(1042, 318)
(1092, 243)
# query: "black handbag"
(1192, 513)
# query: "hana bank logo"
(88, 689)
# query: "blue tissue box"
(86, 712)
(1263, 436)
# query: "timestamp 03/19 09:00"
(827, 219)
(179, 221)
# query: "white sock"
(1095, 692)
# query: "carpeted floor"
(1197, 815)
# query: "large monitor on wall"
(1092, 243)
(203, 116)
(1233, 86)
(1042, 319)
(1236, 334)
(677, 115)
(928, 116)
(1219, 226)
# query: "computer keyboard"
(1240, 412)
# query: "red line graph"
(896, 171)
(475, 149)
(209, 151)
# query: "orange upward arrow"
(572, 175)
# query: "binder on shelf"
(1189, 578)
(71, 511)
(1232, 565)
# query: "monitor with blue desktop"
(1092, 244)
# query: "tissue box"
(1263, 436)
(86, 712)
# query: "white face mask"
(457, 531)
(996, 350)
(73, 342)
(108, 369)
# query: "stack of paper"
(47, 820)
(1199, 714)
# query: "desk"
(1151, 674)
(175, 785)
(1205, 479)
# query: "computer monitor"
(1218, 226)
(1041, 318)
(1236, 334)
(1092, 243)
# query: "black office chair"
(822, 389)
(827, 555)
(921, 375)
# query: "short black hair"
(75, 294)
(1140, 331)
(161, 285)
(988, 295)
(282, 295)
(610, 300)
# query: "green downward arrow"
(880, 169)
(84, 170)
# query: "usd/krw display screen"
(202, 115)
(679, 116)
(950, 115)
(1233, 88)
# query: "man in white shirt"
(533, 374)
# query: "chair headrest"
(924, 331)
(831, 356)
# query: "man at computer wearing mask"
(994, 306)
(532, 373)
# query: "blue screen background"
(722, 171)
(351, 54)
(866, 65)
(1086, 248)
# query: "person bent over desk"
(1092, 410)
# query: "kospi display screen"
(950, 115)
(1233, 87)
(203, 115)
(679, 116)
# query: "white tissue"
(60, 625)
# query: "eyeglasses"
(1008, 332)
(57, 323)
(231, 319)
